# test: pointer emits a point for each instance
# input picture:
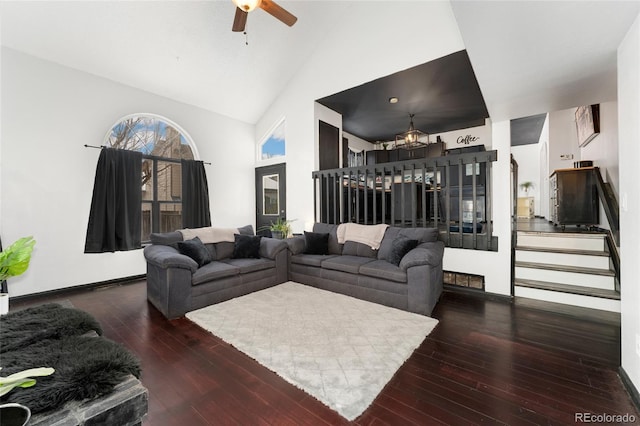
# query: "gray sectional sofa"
(354, 269)
(177, 284)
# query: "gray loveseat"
(177, 284)
(354, 269)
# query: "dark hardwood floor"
(487, 362)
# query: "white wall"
(334, 68)
(528, 159)
(603, 149)
(629, 157)
(48, 113)
(562, 139)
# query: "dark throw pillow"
(399, 247)
(246, 246)
(195, 250)
(316, 243)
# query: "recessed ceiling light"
(393, 100)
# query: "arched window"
(163, 145)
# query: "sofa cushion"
(423, 235)
(325, 228)
(246, 230)
(401, 245)
(224, 250)
(246, 247)
(349, 264)
(316, 243)
(195, 250)
(214, 271)
(310, 259)
(352, 248)
(251, 265)
(384, 270)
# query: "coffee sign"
(467, 139)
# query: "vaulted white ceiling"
(183, 50)
(529, 57)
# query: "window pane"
(146, 221)
(270, 197)
(150, 136)
(170, 217)
(147, 180)
(169, 181)
(274, 145)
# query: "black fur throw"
(50, 321)
(87, 366)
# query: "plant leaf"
(23, 383)
(15, 259)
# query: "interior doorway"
(271, 196)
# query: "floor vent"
(460, 279)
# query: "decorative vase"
(4, 303)
(13, 414)
(278, 235)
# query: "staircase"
(569, 268)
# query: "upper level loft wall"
(602, 150)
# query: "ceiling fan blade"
(278, 12)
(240, 20)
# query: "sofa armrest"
(270, 247)
(296, 244)
(425, 254)
(167, 257)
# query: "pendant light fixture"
(412, 138)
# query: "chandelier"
(412, 138)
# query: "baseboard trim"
(82, 287)
(630, 387)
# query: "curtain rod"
(103, 146)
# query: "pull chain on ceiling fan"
(246, 6)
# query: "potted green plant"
(14, 261)
(526, 186)
(281, 228)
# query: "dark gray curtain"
(195, 195)
(115, 221)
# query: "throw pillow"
(399, 247)
(316, 243)
(246, 246)
(195, 250)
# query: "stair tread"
(579, 234)
(566, 268)
(565, 251)
(567, 288)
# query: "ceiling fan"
(246, 6)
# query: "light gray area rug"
(339, 349)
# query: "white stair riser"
(562, 277)
(565, 259)
(569, 299)
(562, 242)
